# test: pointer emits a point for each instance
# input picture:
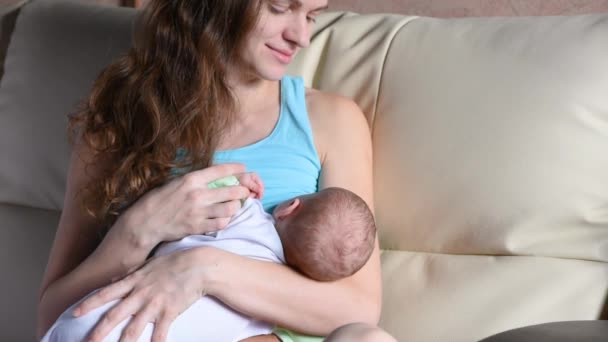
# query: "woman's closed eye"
(282, 7)
(279, 7)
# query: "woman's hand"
(156, 293)
(184, 206)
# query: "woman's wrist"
(132, 232)
(212, 264)
(122, 237)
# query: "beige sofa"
(491, 157)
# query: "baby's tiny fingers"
(217, 171)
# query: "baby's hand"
(253, 182)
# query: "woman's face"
(284, 27)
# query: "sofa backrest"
(489, 133)
(490, 144)
(56, 51)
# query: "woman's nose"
(298, 32)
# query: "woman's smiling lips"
(284, 56)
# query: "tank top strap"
(294, 124)
(286, 160)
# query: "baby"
(326, 236)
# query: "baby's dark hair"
(333, 235)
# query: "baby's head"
(327, 235)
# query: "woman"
(206, 78)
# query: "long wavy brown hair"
(168, 92)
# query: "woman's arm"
(278, 294)
(261, 289)
(80, 263)
(77, 265)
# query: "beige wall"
(459, 8)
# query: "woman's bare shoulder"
(321, 102)
(331, 114)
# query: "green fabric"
(222, 182)
(226, 181)
(289, 336)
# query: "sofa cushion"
(491, 137)
(26, 235)
(432, 297)
(56, 51)
(490, 134)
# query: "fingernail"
(76, 312)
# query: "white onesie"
(250, 233)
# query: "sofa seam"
(403, 23)
(28, 206)
(392, 250)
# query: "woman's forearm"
(113, 259)
(267, 291)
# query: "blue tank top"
(286, 160)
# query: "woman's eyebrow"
(298, 4)
(319, 9)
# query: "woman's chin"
(273, 73)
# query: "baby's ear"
(286, 208)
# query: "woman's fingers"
(206, 197)
(183, 207)
(212, 225)
(228, 193)
(223, 210)
(138, 323)
(205, 176)
(113, 317)
(109, 293)
(161, 328)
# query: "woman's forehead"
(313, 5)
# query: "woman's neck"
(255, 96)
(257, 111)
